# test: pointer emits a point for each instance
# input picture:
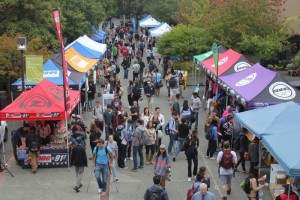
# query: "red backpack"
(125, 51)
(226, 161)
(191, 192)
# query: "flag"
(215, 51)
(64, 63)
(34, 68)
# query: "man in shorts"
(226, 160)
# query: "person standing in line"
(203, 194)
(100, 158)
(150, 91)
(156, 190)
(151, 136)
(162, 164)
(172, 133)
(98, 115)
(33, 143)
(137, 148)
(106, 89)
(226, 160)
(183, 132)
(129, 129)
(191, 150)
(79, 160)
(114, 147)
(212, 142)
(196, 105)
(107, 116)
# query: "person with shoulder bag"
(254, 184)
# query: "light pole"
(22, 48)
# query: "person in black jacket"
(183, 130)
(16, 139)
(79, 160)
(191, 149)
(244, 143)
(33, 143)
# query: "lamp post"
(22, 48)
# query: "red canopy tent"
(230, 62)
(44, 102)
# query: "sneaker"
(130, 158)
(174, 159)
(212, 158)
(141, 167)
(103, 193)
(189, 179)
(99, 190)
(76, 189)
(228, 191)
(125, 160)
(134, 169)
(80, 185)
(116, 179)
(123, 167)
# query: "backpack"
(167, 131)
(208, 133)
(246, 185)
(154, 195)
(117, 69)
(226, 161)
(191, 192)
(142, 45)
(136, 92)
(118, 133)
(143, 139)
(173, 82)
(136, 68)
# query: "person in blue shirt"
(212, 143)
(157, 80)
(100, 158)
(203, 194)
(172, 132)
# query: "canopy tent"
(229, 62)
(257, 87)
(52, 73)
(209, 54)
(44, 102)
(79, 62)
(278, 128)
(77, 77)
(159, 30)
(89, 43)
(148, 21)
(85, 51)
(99, 36)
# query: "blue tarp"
(52, 73)
(278, 128)
(99, 36)
(85, 51)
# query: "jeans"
(211, 148)
(179, 144)
(113, 168)
(90, 103)
(129, 146)
(194, 158)
(101, 170)
(171, 144)
(138, 150)
(126, 73)
(196, 114)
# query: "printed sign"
(49, 160)
(34, 68)
(281, 90)
(247, 80)
(51, 73)
(221, 62)
(79, 62)
(240, 66)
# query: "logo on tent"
(79, 62)
(51, 73)
(221, 62)
(281, 90)
(245, 81)
(240, 66)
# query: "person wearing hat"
(195, 107)
(150, 91)
(16, 139)
(79, 160)
(287, 194)
(162, 164)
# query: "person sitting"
(288, 193)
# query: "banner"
(34, 68)
(215, 51)
(64, 63)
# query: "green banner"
(34, 68)
(215, 51)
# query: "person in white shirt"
(195, 107)
(114, 147)
(98, 115)
(158, 121)
(106, 89)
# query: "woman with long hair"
(146, 78)
(162, 163)
(254, 183)
(151, 136)
(95, 135)
(202, 172)
(146, 116)
(183, 130)
(192, 144)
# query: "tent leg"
(68, 150)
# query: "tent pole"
(259, 162)
(68, 150)
(86, 92)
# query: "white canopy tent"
(149, 21)
(160, 30)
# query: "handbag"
(160, 134)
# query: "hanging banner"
(134, 24)
(34, 68)
(215, 52)
(64, 63)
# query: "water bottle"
(260, 194)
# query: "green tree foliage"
(183, 41)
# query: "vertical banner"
(215, 51)
(134, 24)
(34, 68)
(64, 63)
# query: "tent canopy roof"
(209, 54)
(149, 21)
(159, 30)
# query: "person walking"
(98, 115)
(33, 143)
(191, 150)
(129, 129)
(157, 82)
(150, 91)
(253, 152)
(212, 140)
(226, 160)
(151, 138)
(114, 147)
(107, 116)
(126, 65)
(203, 194)
(196, 105)
(156, 191)
(79, 160)
(172, 134)
(136, 70)
(123, 146)
(137, 147)
(162, 164)
(95, 135)
(100, 158)
(244, 144)
(91, 95)
(158, 121)
(202, 172)
(130, 93)
(183, 132)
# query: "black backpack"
(246, 185)
(155, 195)
(208, 133)
(173, 82)
(118, 133)
(117, 69)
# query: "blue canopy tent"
(52, 73)
(99, 36)
(85, 51)
(278, 128)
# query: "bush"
(184, 65)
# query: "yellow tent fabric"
(79, 62)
